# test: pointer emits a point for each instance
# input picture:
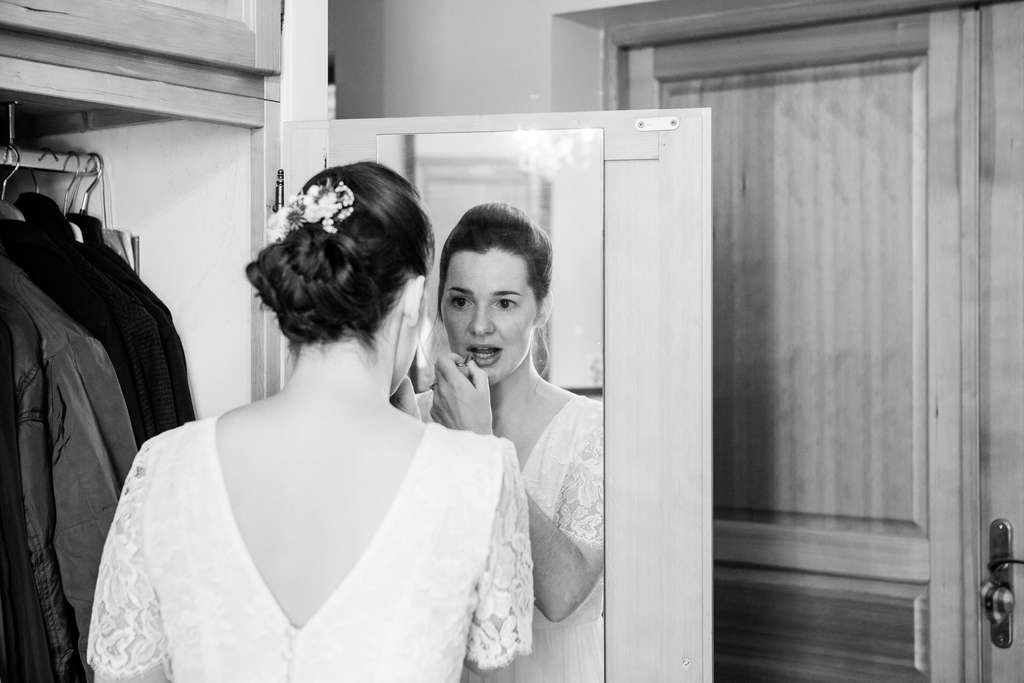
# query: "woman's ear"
(544, 314)
(413, 300)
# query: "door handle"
(997, 593)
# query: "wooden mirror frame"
(657, 343)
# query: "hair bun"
(329, 286)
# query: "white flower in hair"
(323, 204)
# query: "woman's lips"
(485, 357)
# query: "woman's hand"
(462, 396)
(404, 398)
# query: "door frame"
(953, 205)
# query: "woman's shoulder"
(180, 440)
(584, 415)
(469, 445)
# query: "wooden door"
(839, 353)
(657, 343)
(1002, 304)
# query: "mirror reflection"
(556, 178)
(515, 303)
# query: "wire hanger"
(94, 159)
(68, 197)
(8, 210)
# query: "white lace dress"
(447, 575)
(565, 477)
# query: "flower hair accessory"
(323, 204)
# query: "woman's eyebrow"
(506, 292)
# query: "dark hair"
(505, 228)
(326, 287)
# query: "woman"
(321, 534)
(493, 295)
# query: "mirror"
(556, 178)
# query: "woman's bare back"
(309, 487)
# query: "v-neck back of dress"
(235, 533)
(403, 612)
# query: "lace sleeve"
(581, 501)
(126, 636)
(502, 625)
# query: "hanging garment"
(75, 447)
(91, 227)
(138, 329)
(23, 639)
(51, 271)
(110, 264)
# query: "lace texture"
(448, 569)
(565, 477)
(126, 636)
(502, 624)
(581, 500)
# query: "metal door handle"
(997, 592)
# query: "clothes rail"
(49, 160)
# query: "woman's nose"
(481, 323)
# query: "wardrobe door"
(842, 351)
(238, 34)
(657, 358)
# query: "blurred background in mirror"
(556, 178)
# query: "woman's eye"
(506, 304)
(459, 301)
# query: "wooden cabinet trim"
(51, 50)
(143, 26)
(49, 81)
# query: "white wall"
(184, 189)
(451, 57)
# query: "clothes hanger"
(7, 210)
(94, 159)
(69, 197)
(92, 228)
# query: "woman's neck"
(511, 394)
(340, 373)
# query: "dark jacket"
(137, 328)
(75, 446)
(52, 271)
(24, 649)
(106, 260)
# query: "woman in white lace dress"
(494, 293)
(321, 534)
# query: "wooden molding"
(782, 15)
(120, 92)
(117, 61)
(139, 25)
(266, 24)
(850, 553)
(889, 38)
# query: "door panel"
(1002, 297)
(837, 344)
(816, 412)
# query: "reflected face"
(489, 310)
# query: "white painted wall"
(184, 189)
(454, 57)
